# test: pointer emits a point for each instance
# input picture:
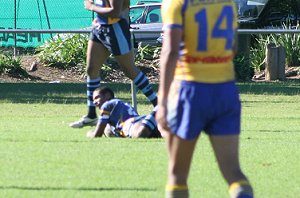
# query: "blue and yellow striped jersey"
(206, 50)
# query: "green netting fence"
(41, 15)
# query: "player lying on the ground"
(121, 118)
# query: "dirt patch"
(291, 73)
(41, 73)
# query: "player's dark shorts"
(115, 37)
(194, 107)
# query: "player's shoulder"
(114, 102)
(110, 103)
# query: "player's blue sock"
(154, 110)
(92, 84)
(142, 83)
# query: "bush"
(291, 43)
(64, 51)
(242, 67)
(11, 66)
(69, 51)
(151, 53)
(258, 52)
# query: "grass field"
(40, 156)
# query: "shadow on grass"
(270, 88)
(75, 93)
(59, 93)
(31, 188)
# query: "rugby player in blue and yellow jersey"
(197, 90)
(120, 118)
(110, 35)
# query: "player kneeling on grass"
(119, 119)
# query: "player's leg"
(134, 128)
(126, 62)
(96, 56)
(138, 130)
(123, 52)
(142, 126)
(150, 123)
(226, 150)
(185, 119)
(180, 157)
(224, 136)
(141, 81)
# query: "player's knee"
(92, 72)
(131, 71)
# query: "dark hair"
(106, 90)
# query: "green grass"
(42, 157)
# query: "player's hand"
(95, 23)
(88, 4)
(91, 134)
(161, 118)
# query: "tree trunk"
(275, 62)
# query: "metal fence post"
(15, 26)
(133, 88)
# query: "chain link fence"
(40, 15)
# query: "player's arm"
(98, 132)
(115, 9)
(172, 20)
(103, 120)
(168, 60)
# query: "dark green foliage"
(11, 66)
(64, 51)
(147, 52)
(290, 42)
(243, 70)
(108, 68)
(150, 53)
(258, 52)
(69, 51)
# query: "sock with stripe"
(177, 191)
(142, 83)
(154, 111)
(241, 189)
(92, 84)
(150, 122)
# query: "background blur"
(41, 14)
